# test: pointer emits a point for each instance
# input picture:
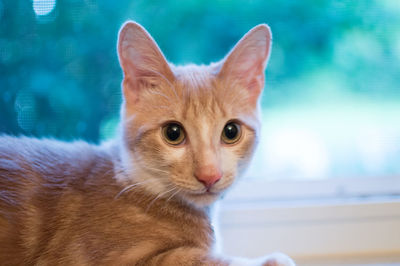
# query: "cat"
(186, 134)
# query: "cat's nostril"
(209, 182)
(208, 177)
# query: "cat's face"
(190, 131)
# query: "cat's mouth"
(201, 198)
(202, 192)
(205, 193)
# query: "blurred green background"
(332, 98)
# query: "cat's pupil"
(173, 132)
(231, 131)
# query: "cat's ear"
(141, 60)
(246, 62)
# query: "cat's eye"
(173, 133)
(231, 133)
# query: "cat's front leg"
(187, 256)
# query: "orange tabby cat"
(186, 134)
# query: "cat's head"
(190, 131)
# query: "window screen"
(331, 105)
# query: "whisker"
(174, 194)
(131, 186)
(158, 196)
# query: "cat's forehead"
(194, 76)
(199, 91)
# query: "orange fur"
(135, 200)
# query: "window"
(328, 164)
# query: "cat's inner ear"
(246, 62)
(141, 60)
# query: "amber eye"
(173, 133)
(231, 133)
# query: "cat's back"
(29, 159)
(29, 164)
(31, 154)
(34, 174)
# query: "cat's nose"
(208, 175)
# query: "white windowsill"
(320, 229)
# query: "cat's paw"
(277, 259)
(274, 259)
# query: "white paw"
(274, 259)
(277, 259)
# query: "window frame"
(261, 190)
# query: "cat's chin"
(201, 199)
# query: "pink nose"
(208, 175)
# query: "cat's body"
(142, 199)
(64, 208)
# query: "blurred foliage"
(59, 72)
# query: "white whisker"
(158, 196)
(174, 194)
(131, 186)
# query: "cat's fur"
(136, 200)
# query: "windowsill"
(353, 231)
(354, 260)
